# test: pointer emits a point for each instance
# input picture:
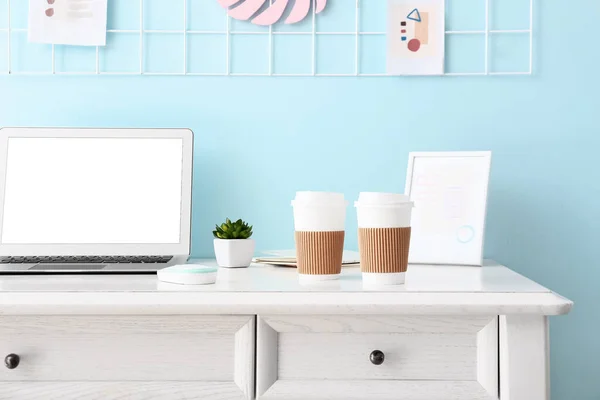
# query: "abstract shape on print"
(50, 11)
(414, 45)
(465, 234)
(247, 9)
(414, 15)
(422, 22)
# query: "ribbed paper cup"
(383, 237)
(319, 219)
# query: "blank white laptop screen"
(93, 191)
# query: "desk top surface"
(276, 287)
(492, 278)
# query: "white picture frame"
(450, 191)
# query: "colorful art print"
(415, 37)
(70, 22)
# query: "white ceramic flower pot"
(234, 253)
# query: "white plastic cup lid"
(309, 198)
(382, 199)
(319, 211)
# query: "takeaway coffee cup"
(319, 221)
(383, 236)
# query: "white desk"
(449, 333)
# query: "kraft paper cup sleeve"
(319, 253)
(384, 250)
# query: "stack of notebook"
(287, 258)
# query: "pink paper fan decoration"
(246, 9)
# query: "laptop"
(94, 200)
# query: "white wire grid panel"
(491, 47)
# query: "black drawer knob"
(12, 361)
(377, 357)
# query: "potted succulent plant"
(233, 246)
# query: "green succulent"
(233, 230)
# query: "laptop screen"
(93, 191)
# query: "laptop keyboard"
(87, 259)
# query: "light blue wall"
(261, 139)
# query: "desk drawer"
(349, 357)
(194, 352)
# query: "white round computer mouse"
(188, 274)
